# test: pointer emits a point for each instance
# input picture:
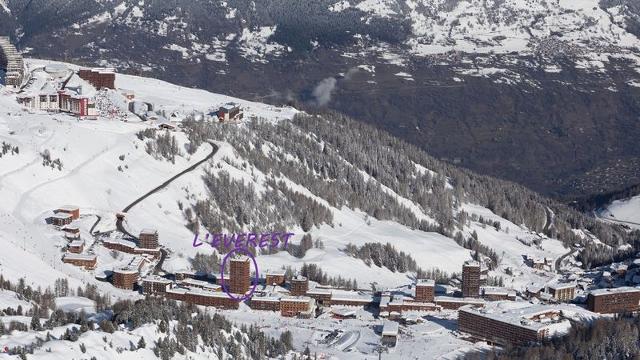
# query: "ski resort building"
(302, 306)
(230, 112)
(562, 291)
(491, 293)
(455, 303)
(46, 98)
(512, 323)
(267, 303)
(155, 285)
(76, 246)
(148, 239)
(11, 63)
(99, 77)
(125, 277)
(239, 275)
(202, 297)
(86, 261)
(273, 278)
(321, 296)
(60, 219)
(425, 290)
(74, 211)
(471, 279)
(299, 285)
(614, 300)
(71, 232)
(390, 331)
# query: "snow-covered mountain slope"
(92, 152)
(625, 211)
(479, 68)
(343, 184)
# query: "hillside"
(470, 82)
(326, 177)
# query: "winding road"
(119, 223)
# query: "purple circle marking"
(255, 282)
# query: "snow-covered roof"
(275, 273)
(76, 243)
(390, 328)
(61, 216)
(529, 316)
(492, 290)
(199, 283)
(556, 285)
(148, 232)
(618, 290)
(467, 300)
(344, 312)
(229, 106)
(319, 292)
(269, 298)
(68, 208)
(295, 299)
(157, 279)
(72, 256)
(471, 263)
(425, 282)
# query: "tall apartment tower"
(148, 239)
(425, 290)
(299, 286)
(471, 279)
(240, 275)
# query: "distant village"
(90, 93)
(493, 314)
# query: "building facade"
(86, 261)
(74, 211)
(99, 77)
(425, 290)
(292, 306)
(125, 278)
(267, 303)
(155, 285)
(148, 239)
(615, 300)
(471, 279)
(240, 275)
(562, 292)
(299, 285)
(274, 279)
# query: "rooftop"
(425, 282)
(618, 290)
(561, 285)
(72, 256)
(295, 299)
(76, 243)
(149, 232)
(68, 208)
(157, 279)
(529, 316)
(61, 216)
(390, 328)
(471, 263)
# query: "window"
(43, 98)
(53, 98)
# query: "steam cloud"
(323, 91)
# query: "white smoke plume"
(323, 91)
